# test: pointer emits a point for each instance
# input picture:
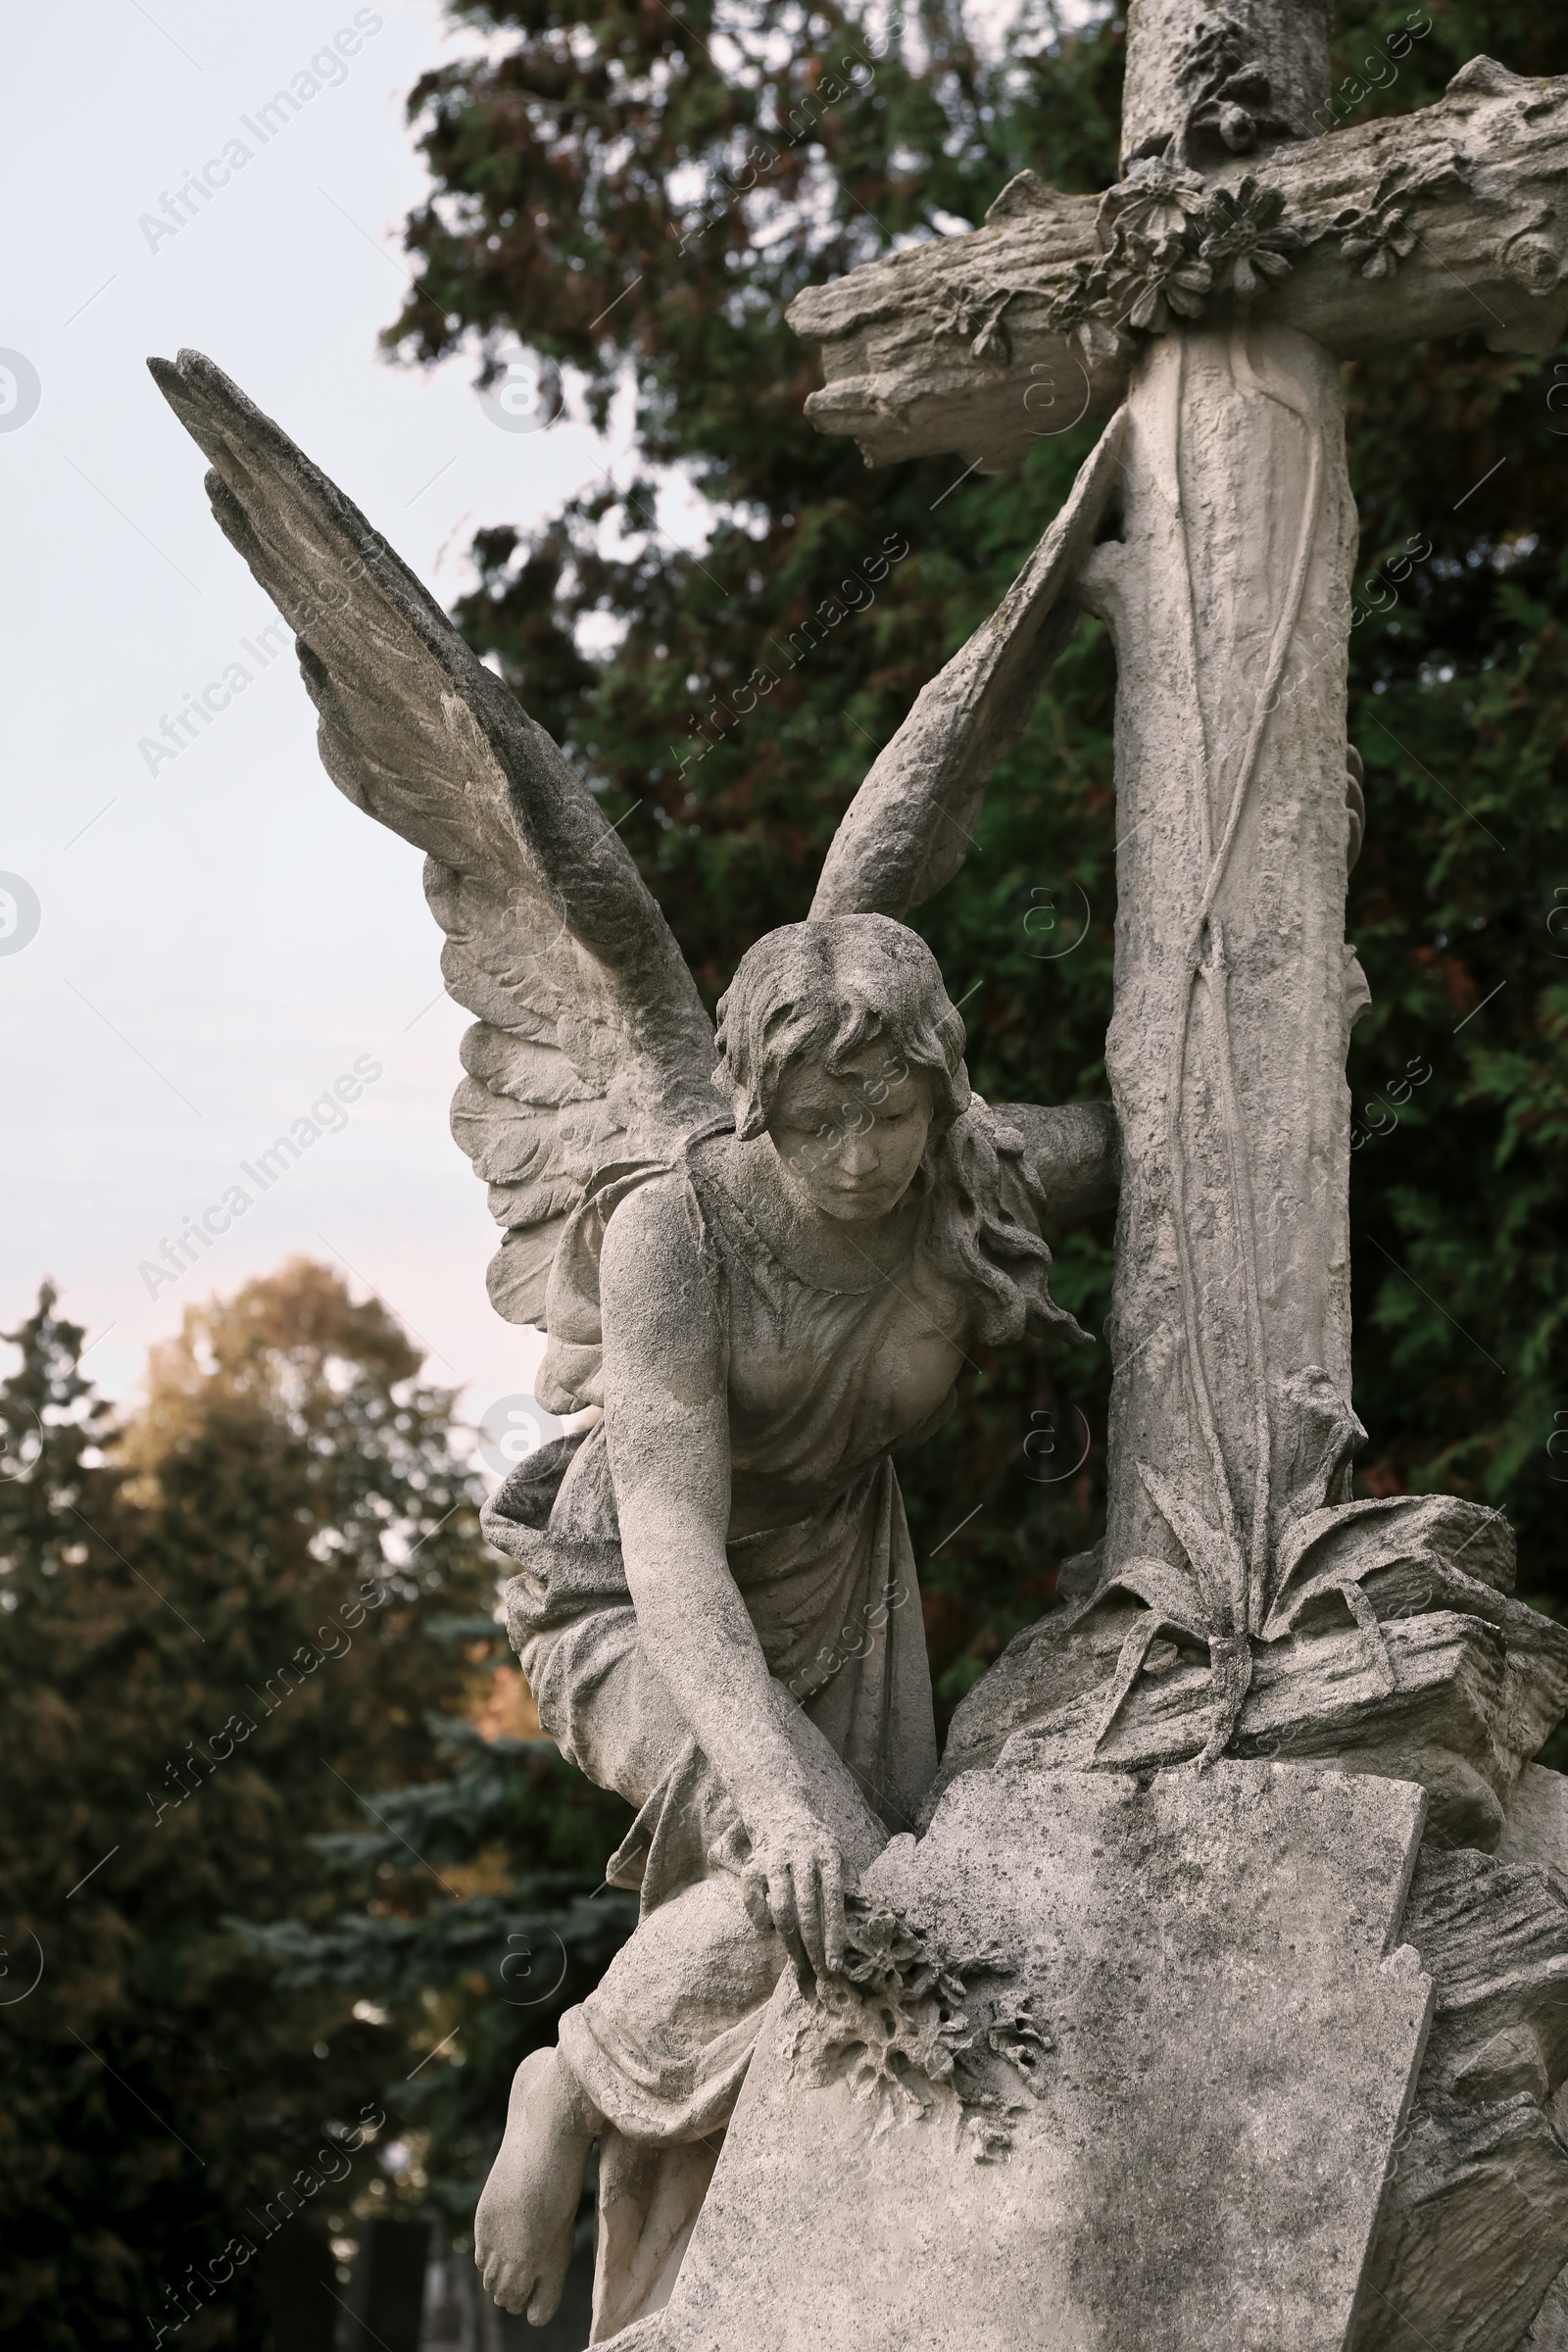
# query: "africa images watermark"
(198, 711)
(326, 70)
(275, 1690)
(851, 75)
(1349, 94)
(326, 1115)
(855, 594)
(204, 2280)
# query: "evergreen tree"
(516, 1841)
(211, 1649)
(638, 195)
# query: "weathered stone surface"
(1550, 2330)
(1494, 1937)
(1536, 1829)
(1196, 2155)
(1475, 2222)
(1450, 1722)
(1475, 2228)
(1229, 1322)
(1278, 56)
(948, 345)
(1452, 1681)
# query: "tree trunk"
(1261, 42)
(1228, 600)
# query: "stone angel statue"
(761, 1254)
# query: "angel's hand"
(795, 1881)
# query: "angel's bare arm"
(667, 1422)
(1076, 1151)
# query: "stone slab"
(1228, 2038)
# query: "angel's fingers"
(783, 1900)
(833, 1914)
(753, 1895)
(813, 1910)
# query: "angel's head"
(837, 1040)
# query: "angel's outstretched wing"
(909, 826)
(592, 1044)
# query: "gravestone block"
(1131, 2081)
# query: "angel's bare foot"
(523, 2230)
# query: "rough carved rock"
(1473, 1695)
(1550, 2330)
(1474, 2229)
(1474, 2226)
(1494, 263)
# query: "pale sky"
(220, 941)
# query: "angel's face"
(853, 1142)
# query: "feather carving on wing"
(592, 1046)
(592, 1049)
(911, 825)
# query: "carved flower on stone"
(1376, 237)
(1229, 112)
(1156, 201)
(1084, 309)
(1162, 280)
(1248, 238)
(1375, 240)
(1167, 243)
(905, 2027)
(976, 313)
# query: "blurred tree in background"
(638, 194)
(379, 1895)
(215, 1645)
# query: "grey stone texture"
(1454, 1683)
(1129, 2046)
(1473, 2229)
(1233, 2029)
(959, 344)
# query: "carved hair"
(821, 991)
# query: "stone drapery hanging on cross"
(1213, 291)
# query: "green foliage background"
(638, 192)
(167, 2068)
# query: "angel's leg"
(523, 2230)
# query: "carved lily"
(1321, 1555)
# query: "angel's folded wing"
(911, 822)
(592, 1044)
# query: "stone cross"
(1213, 291)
